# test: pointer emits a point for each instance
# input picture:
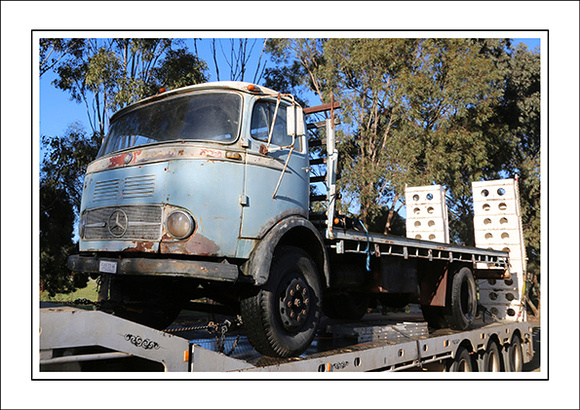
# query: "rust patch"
(433, 288)
(141, 247)
(195, 245)
(116, 161)
(205, 152)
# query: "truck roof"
(215, 85)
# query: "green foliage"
(521, 112)
(52, 51)
(60, 196)
(108, 74)
(415, 112)
(65, 161)
(179, 69)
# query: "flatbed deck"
(78, 340)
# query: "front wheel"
(281, 318)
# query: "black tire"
(281, 318)
(462, 361)
(492, 358)
(153, 302)
(515, 355)
(462, 308)
(346, 305)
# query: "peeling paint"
(195, 245)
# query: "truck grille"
(123, 222)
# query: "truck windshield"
(211, 116)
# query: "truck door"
(269, 198)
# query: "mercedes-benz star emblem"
(118, 223)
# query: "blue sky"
(57, 111)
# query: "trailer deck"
(79, 340)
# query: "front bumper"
(222, 272)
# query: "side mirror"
(295, 120)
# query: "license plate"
(107, 267)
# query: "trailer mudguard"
(294, 230)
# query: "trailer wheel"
(515, 361)
(463, 304)
(281, 318)
(462, 361)
(346, 305)
(492, 358)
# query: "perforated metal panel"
(427, 213)
(497, 224)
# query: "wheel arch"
(466, 343)
(294, 231)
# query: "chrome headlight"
(180, 224)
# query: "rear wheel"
(515, 362)
(281, 318)
(462, 361)
(462, 308)
(492, 358)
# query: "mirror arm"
(274, 121)
(284, 169)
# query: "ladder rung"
(316, 125)
(318, 161)
(320, 108)
(318, 178)
(317, 143)
(318, 198)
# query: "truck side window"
(262, 117)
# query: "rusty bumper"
(222, 272)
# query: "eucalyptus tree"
(111, 73)
(415, 112)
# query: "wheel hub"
(295, 304)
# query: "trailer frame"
(67, 336)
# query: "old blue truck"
(203, 194)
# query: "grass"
(89, 292)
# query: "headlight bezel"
(174, 231)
